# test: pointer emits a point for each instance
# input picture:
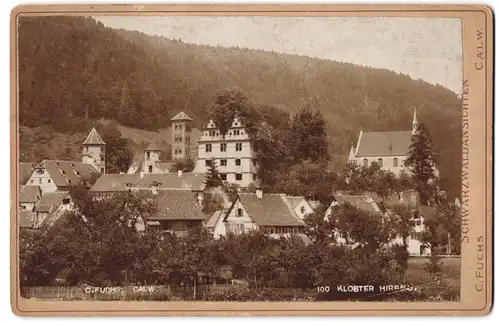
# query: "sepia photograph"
(239, 158)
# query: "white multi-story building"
(231, 152)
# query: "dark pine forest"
(73, 70)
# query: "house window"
(66, 201)
(39, 181)
(302, 209)
(237, 162)
(39, 171)
(31, 181)
(49, 181)
(102, 158)
(223, 176)
(150, 168)
(148, 155)
(223, 162)
(239, 212)
(211, 133)
(208, 162)
(102, 149)
(102, 170)
(187, 151)
(395, 162)
(239, 177)
(23, 207)
(381, 162)
(365, 162)
(208, 148)
(236, 132)
(188, 140)
(223, 147)
(239, 146)
(254, 177)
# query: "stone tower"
(181, 136)
(94, 151)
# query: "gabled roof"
(384, 143)
(363, 203)
(66, 173)
(269, 210)
(114, 182)
(295, 200)
(187, 181)
(181, 116)
(93, 138)
(26, 219)
(214, 219)
(50, 201)
(176, 205)
(29, 194)
(25, 170)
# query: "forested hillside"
(73, 69)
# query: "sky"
(423, 48)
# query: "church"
(388, 148)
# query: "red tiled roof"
(363, 203)
(176, 205)
(114, 182)
(270, 210)
(93, 138)
(50, 201)
(384, 143)
(29, 194)
(66, 173)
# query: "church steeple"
(414, 127)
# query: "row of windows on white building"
(395, 162)
(223, 147)
(213, 133)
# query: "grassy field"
(443, 284)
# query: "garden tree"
(212, 178)
(400, 221)
(118, 155)
(231, 189)
(99, 239)
(185, 165)
(212, 203)
(319, 230)
(451, 218)
(421, 160)
(36, 266)
(308, 138)
(435, 235)
(359, 227)
(308, 179)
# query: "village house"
(181, 136)
(387, 148)
(231, 152)
(51, 207)
(108, 184)
(267, 213)
(176, 211)
(215, 225)
(28, 196)
(363, 203)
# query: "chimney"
(258, 192)
(179, 173)
(141, 174)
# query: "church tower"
(181, 136)
(414, 127)
(94, 152)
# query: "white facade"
(232, 153)
(95, 156)
(151, 160)
(41, 177)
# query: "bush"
(434, 265)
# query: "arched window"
(394, 162)
(381, 162)
(365, 162)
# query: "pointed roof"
(93, 138)
(181, 116)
